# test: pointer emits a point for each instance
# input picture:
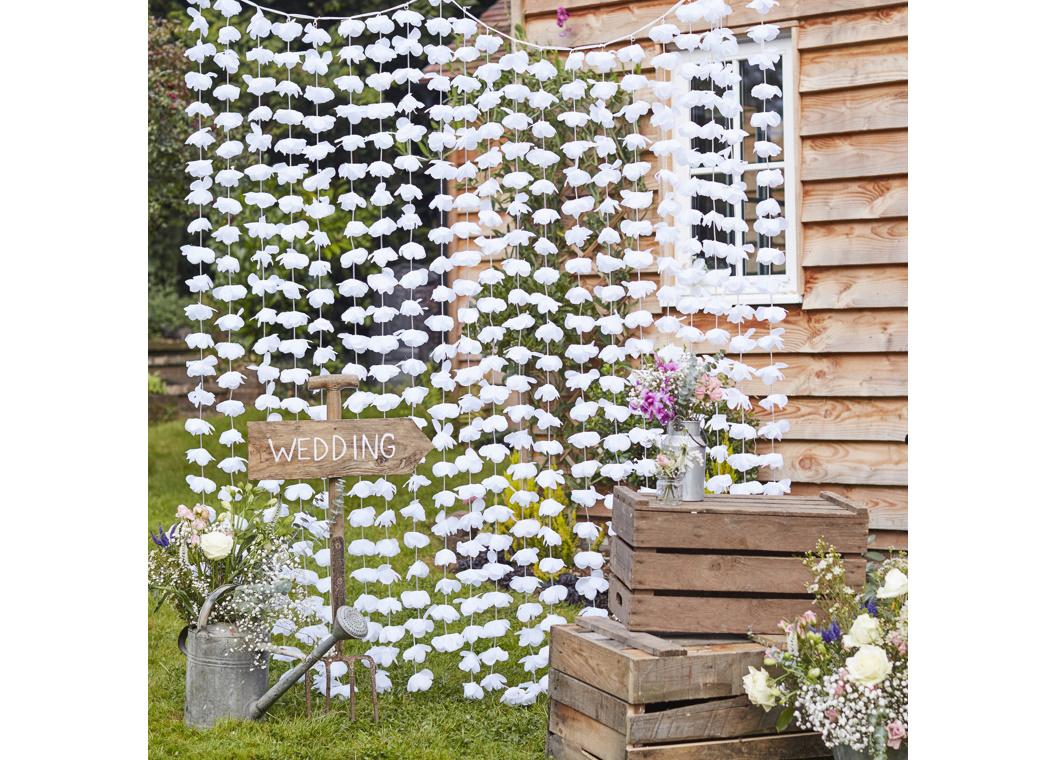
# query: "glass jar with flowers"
(843, 671)
(672, 466)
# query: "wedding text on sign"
(334, 448)
(377, 446)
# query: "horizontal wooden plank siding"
(593, 21)
(852, 111)
(846, 419)
(860, 375)
(854, 199)
(855, 287)
(845, 243)
(853, 66)
(815, 332)
(846, 462)
(849, 28)
(862, 154)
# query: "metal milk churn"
(693, 477)
(223, 677)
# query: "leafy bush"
(165, 311)
(156, 384)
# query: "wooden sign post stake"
(333, 384)
(335, 448)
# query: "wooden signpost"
(334, 449)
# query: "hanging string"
(467, 14)
(381, 11)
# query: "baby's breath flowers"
(844, 673)
(245, 544)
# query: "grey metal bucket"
(223, 677)
(227, 680)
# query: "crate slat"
(643, 641)
(675, 571)
(766, 524)
(690, 613)
(707, 670)
(782, 747)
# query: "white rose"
(865, 630)
(895, 584)
(869, 666)
(216, 545)
(756, 685)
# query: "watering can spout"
(347, 623)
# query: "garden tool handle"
(332, 382)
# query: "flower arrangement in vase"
(683, 394)
(672, 465)
(676, 391)
(245, 543)
(844, 673)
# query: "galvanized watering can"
(223, 677)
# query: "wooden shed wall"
(846, 343)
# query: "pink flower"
(896, 734)
(839, 688)
(662, 460)
(831, 713)
(184, 513)
(809, 617)
(562, 14)
(708, 387)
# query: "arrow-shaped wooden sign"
(334, 448)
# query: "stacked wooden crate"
(727, 565)
(618, 695)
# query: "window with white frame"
(781, 279)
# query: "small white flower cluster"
(850, 714)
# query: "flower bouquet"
(681, 390)
(845, 675)
(244, 544)
(685, 392)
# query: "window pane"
(702, 115)
(756, 194)
(749, 77)
(707, 231)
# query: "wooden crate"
(726, 565)
(612, 699)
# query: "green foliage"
(168, 128)
(562, 523)
(156, 384)
(165, 310)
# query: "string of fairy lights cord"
(546, 232)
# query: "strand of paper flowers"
(200, 255)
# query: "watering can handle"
(211, 602)
(207, 607)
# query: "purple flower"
(163, 539)
(831, 633)
(871, 606)
(658, 405)
(562, 14)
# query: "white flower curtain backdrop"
(472, 224)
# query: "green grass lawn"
(436, 724)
